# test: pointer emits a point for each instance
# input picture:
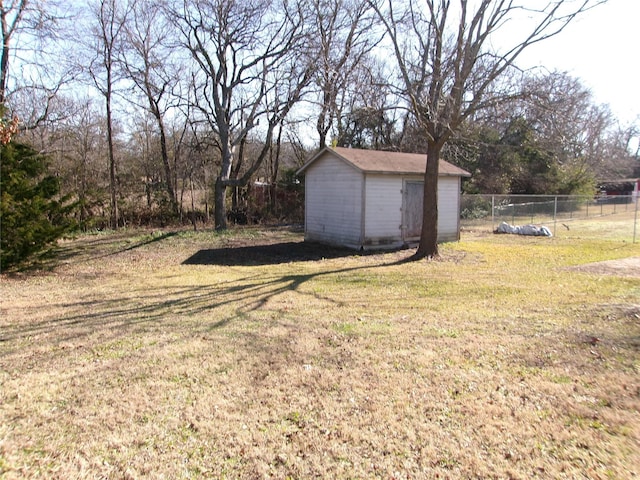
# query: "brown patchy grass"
(192, 355)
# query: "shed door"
(412, 209)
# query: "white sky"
(602, 49)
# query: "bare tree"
(109, 17)
(149, 63)
(80, 139)
(10, 20)
(367, 116)
(346, 35)
(32, 67)
(452, 64)
(74, 140)
(248, 76)
(579, 139)
(632, 136)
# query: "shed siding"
(448, 209)
(382, 209)
(333, 202)
(359, 208)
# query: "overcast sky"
(602, 48)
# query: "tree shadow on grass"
(271, 254)
(106, 246)
(148, 309)
(159, 307)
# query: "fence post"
(635, 221)
(555, 214)
(588, 202)
(493, 207)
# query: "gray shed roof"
(376, 161)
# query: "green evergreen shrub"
(32, 213)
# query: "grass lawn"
(197, 355)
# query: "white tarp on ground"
(504, 227)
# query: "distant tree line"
(200, 111)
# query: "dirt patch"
(267, 254)
(624, 267)
(247, 254)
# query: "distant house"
(619, 191)
(367, 199)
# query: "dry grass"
(500, 360)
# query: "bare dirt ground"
(625, 267)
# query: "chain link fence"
(605, 215)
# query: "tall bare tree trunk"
(106, 33)
(164, 153)
(113, 188)
(220, 207)
(428, 247)
(4, 61)
(275, 166)
(8, 28)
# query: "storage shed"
(368, 199)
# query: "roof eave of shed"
(313, 159)
(309, 162)
(397, 172)
(387, 172)
(465, 174)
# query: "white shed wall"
(333, 202)
(448, 209)
(344, 206)
(383, 208)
